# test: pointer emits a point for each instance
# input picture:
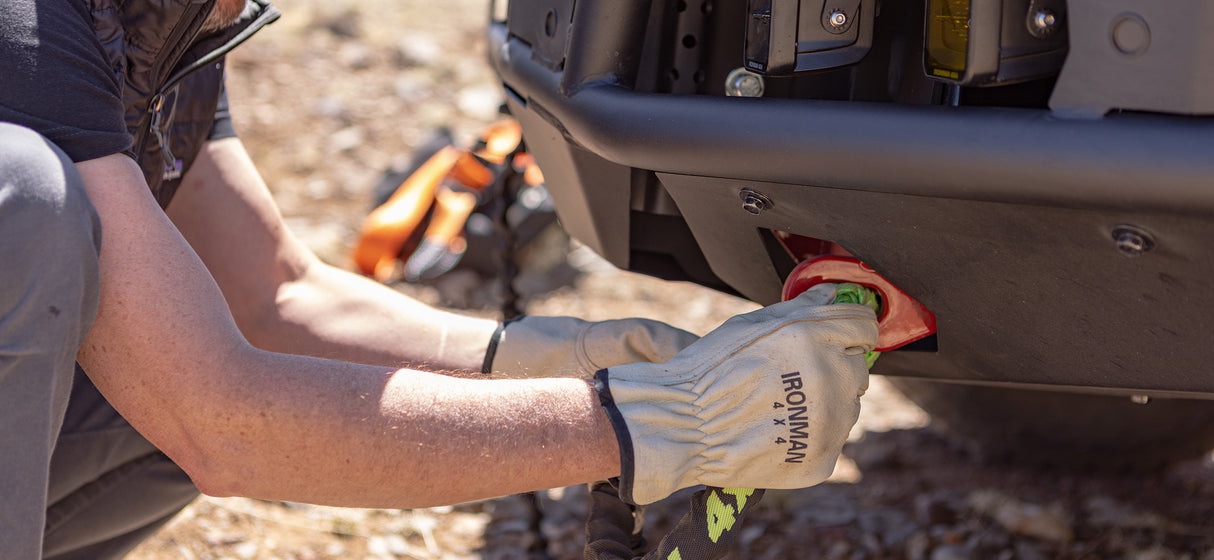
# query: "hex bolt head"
(837, 19)
(1042, 23)
(1132, 241)
(1140, 399)
(1044, 20)
(754, 201)
(743, 83)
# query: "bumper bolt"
(1132, 241)
(1042, 23)
(837, 19)
(754, 201)
(1131, 35)
(1140, 399)
(743, 83)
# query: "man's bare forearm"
(284, 299)
(340, 434)
(332, 313)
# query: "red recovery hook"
(903, 319)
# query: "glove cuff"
(622, 435)
(494, 342)
(491, 350)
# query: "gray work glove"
(764, 401)
(567, 347)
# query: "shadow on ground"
(919, 497)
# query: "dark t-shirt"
(56, 79)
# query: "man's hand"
(764, 401)
(567, 347)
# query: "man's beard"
(225, 13)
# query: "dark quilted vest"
(171, 76)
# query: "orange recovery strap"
(422, 223)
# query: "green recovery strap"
(855, 293)
(708, 530)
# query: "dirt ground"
(338, 91)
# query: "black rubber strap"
(622, 436)
(496, 339)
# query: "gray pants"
(76, 481)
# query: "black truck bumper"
(1000, 221)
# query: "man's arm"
(167, 354)
(285, 299)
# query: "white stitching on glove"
(764, 401)
(535, 346)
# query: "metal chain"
(505, 189)
(502, 197)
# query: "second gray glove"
(536, 346)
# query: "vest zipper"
(168, 59)
(162, 135)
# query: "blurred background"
(338, 92)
